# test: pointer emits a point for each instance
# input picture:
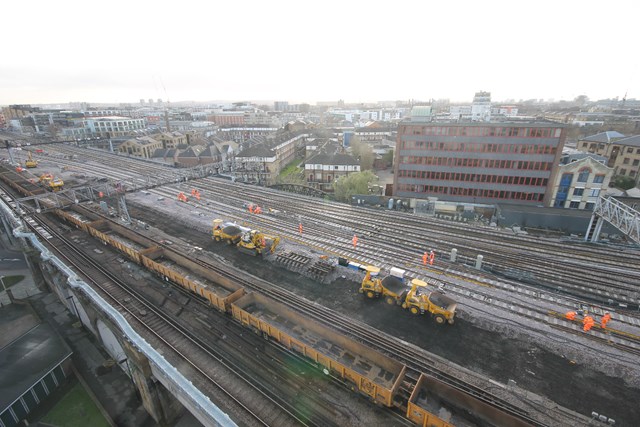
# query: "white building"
(113, 125)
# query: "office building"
(479, 162)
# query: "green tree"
(388, 158)
(623, 182)
(355, 183)
(363, 152)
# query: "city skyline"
(355, 51)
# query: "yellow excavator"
(31, 162)
(413, 296)
(255, 243)
(50, 182)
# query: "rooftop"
(605, 137)
(27, 359)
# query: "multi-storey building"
(224, 118)
(323, 169)
(144, 147)
(113, 126)
(477, 162)
(623, 153)
(171, 139)
(581, 178)
(262, 162)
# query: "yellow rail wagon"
(79, 220)
(369, 371)
(192, 276)
(119, 237)
(431, 396)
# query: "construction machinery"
(413, 296)
(31, 162)
(50, 182)
(255, 243)
(228, 232)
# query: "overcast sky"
(309, 51)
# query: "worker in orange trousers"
(587, 323)
(571, 315)
(425, 257)
(605, 319)
(354, 240)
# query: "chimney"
(166, 120)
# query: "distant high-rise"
(150, 101)
(141, 101)
(159, 100)
(481, 107)
(281, 105)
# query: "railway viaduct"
(162, 389)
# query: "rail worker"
(354, 241)
(257, 210)
(300, 228)
(251, 208)
(571, 315)
(425, 257)
(605, 319)
(587, 326)
(432, 256)
(587, 323)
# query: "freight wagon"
(430, 395)
(367, 370)
(192, 276)
(119, 237)
(76, 218)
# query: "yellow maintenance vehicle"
(255, 243)
(50, 182)
(31, 162)
(413, 296)
(227, 232)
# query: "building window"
(595, 192)
(625, 161)
(598, 179)
(623, 172)
(636, 162)
(589, 206)
(583, 175)
(578, 191)
(629, 150)
(574, 205)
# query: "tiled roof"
(605, 137)
(193, 151)
(333, 159)
(259, 150)
(630, 141)
(143, 140)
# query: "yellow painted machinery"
(227, 232)
(413, 296)
(256, 243)
(50, 182)
(31, 162)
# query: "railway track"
(179, 345)
(519, 300)
(586, 272)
